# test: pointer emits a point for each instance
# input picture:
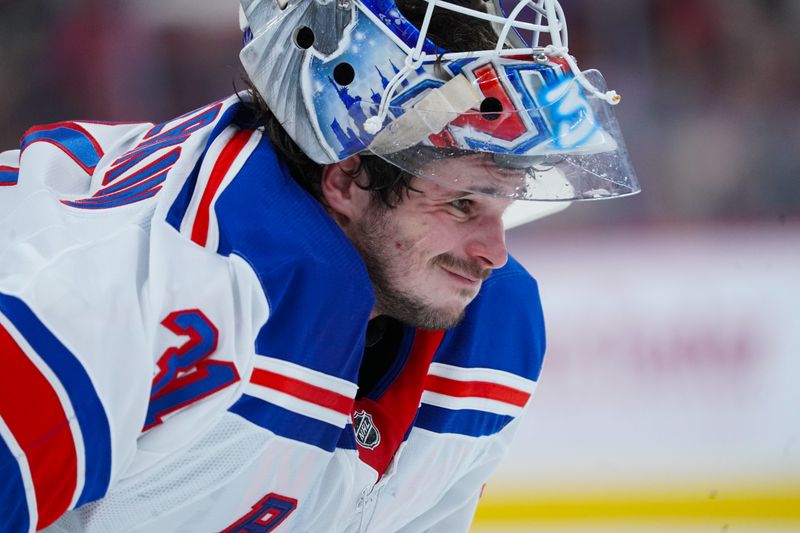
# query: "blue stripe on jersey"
(73, 141)
(8, 176)
(462, 422)
(145, 190)
(287, 424)
(13, 506)
(178, 209)
(347, 440)
(165, 162)
(122, 199)
(73, 377)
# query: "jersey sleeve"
(69, 408)
(70, 418)
(75, 335)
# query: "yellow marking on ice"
(764, 504)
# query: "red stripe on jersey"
(33, 412)
(477, 389)
(302, 390)
(218, 173)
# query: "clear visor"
(564, 145)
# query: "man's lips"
(464, 278)
(465, 271)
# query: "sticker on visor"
(564, 145)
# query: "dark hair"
(449, 30)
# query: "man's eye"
(461, 205)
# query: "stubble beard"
(375, 233)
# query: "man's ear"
(345, 199)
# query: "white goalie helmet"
(349, 77)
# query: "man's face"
(428, 256)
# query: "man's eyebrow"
(449, 197)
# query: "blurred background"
(670, 398)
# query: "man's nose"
(487, 242)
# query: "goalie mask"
(349, 77)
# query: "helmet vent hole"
(304, 37)
(491, 108)
(344, 74)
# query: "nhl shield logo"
(367, 435)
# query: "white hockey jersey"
(181, 332)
